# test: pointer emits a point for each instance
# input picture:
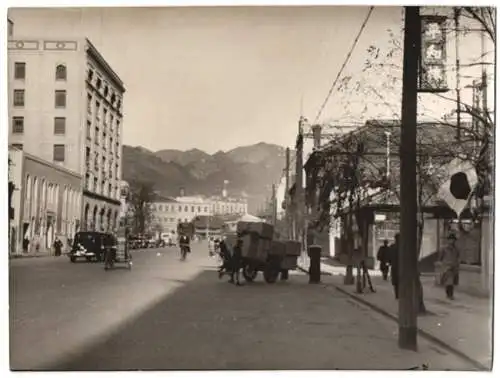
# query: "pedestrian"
(26, 244)
(58, 246)
(394, 260)
(450, 260)
(236, 262)
(383, 256)
(211, 246)
(226, 257)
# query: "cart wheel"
(88, 258)
(271, 274)
(249, 273)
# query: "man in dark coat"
(383, 256)
(394, 259)
(58, 246)
(236, 262)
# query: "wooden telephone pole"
(287, 187)
(299, 188)
(408, 257)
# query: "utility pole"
(408, 239)
(299, 189)
(274, 206)
(456, 13)
(287, 187)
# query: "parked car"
(91, 245)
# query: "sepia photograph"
(249, 187)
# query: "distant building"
(65, 107)
(167, 212)
(46, 201)
(228, 205)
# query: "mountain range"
(249, 170)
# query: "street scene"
(192, 193)
(168, 314)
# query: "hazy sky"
(216, 78)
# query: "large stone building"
(65, 107)
(168, 212)
(46, 202)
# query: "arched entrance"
(94, 219)
(86, 217)
(102, 225)
(109, 224)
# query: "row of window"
(93, 185)
(172, 208)
(58, 154)
(61, 72)
(107, 93)
(59, 125)
(59, 98)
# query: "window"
(89, 127)
(59, 125)
(95, 184)
(199, 209)
(206, 209)
(89, 103)
(59, 152)
(186, 208)
(180, 208)
(61, 72)
(105, 115)
(60, 99)
(106, 90)
(87, 181)
(18, 97)
(90, 75)
(110, 189)
(192, 209)
(113, 99)
(18, 125)
(98, 83)
(166, 207)
(19, 70)
(119, 105)
(19, 146)
(160, 207)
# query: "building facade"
(65, 107)
(168, 212)
(227, 205)
(46, 201)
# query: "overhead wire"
(346, 60)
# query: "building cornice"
(96, 55)
(51, 165)
(100, 197)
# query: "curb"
(323, 273)
(420, 331)
(30, 256)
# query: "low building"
(47, 203)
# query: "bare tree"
(141, 197)
(434, 150)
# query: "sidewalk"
(463, 326)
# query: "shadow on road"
(186, 329)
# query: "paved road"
(167, 314)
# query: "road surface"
(168, 314)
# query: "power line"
(345, 63)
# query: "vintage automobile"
(91, 245)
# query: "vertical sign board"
(432, 73)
